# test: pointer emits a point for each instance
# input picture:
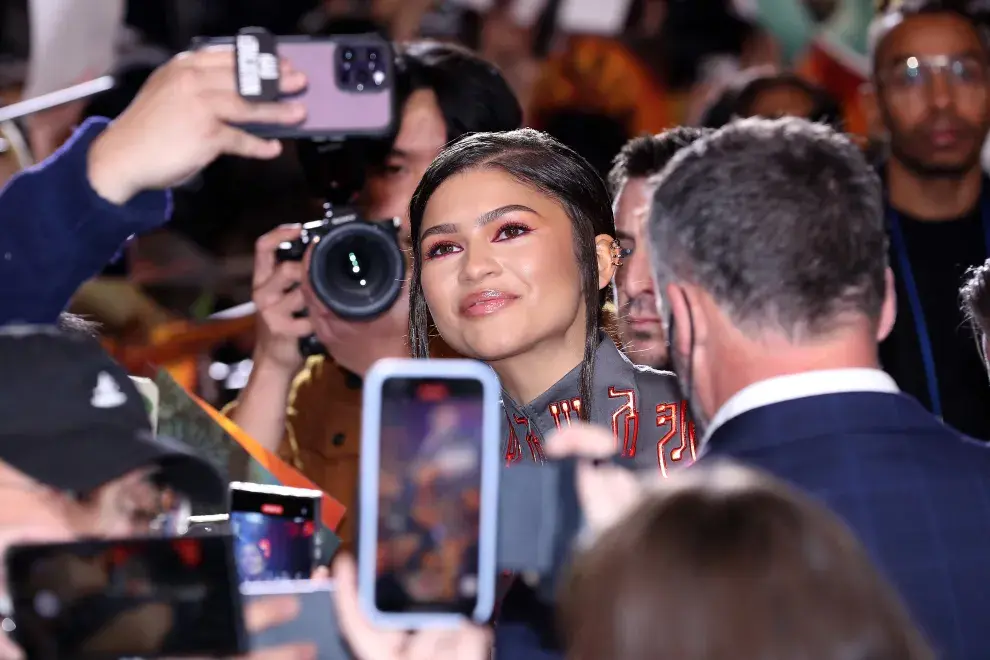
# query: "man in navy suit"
(769, 246)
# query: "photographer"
(78, 460)
(309, 410)
(62, 221)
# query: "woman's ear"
(609, 258)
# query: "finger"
(468, 642)
(606, 494)
(271, 611)
(322, 573)
(581, 440)
(273, 290)
(264, 251)
(286, 652)
(236, 142)
(233, 109)
(273, 298)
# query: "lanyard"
(914, 298)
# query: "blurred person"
(78, 458)
(975, 297)
(639, 320)
(778, 300)
(310, 410)
(787, 95)
(931, 92)
(63, 220)
(688, 552)
(514, 252)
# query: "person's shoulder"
(656, 384)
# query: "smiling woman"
(514, 253)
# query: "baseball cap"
(71, 418)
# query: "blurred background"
(593, 73)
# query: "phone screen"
(274, 535)
(429, 495)
(112, 599)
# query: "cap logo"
(107, 393)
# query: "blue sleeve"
(56, 232)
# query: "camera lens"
(348, 54)
(357, 270)
(373, 55)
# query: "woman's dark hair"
(727, 562)
(536, 160)
(825, 108)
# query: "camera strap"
(256, 52)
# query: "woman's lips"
(484, 303)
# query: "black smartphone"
(350, 88)
(148, 598)
(275, 531)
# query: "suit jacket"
(915, 492)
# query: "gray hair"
(780, 221)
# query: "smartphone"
(216, 525)
(274, 528)
(430, 465)
(316, 623)
(350, 86)
(96, 600)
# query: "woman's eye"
(440, 250)
(511, 231)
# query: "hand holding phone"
(464, 641)
(430, 464)
(181, 121)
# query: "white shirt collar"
(798, 386)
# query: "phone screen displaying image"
(429, 495)
(274, 535)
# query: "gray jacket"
(643, 408)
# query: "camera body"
(356, 268)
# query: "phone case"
(369, 493)
(332, 113)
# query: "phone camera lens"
(348, 54)
(373, 55)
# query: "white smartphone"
(430, 461)
(275, 531)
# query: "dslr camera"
(356, 268)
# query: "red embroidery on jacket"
(627, 413)
(565, 409)
(675, 417)
(514, 451)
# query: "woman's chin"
(494, 347)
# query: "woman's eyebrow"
(482, 220)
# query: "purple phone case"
(331, 112)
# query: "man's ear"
(888, 311)
(607, 253)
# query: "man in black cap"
(78, 458)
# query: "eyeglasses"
(918, 73)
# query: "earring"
(616, 253)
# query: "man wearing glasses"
(78, 459)
(931, 94)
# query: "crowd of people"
(767, 337)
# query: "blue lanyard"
(914, 299)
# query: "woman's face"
(498, 267)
